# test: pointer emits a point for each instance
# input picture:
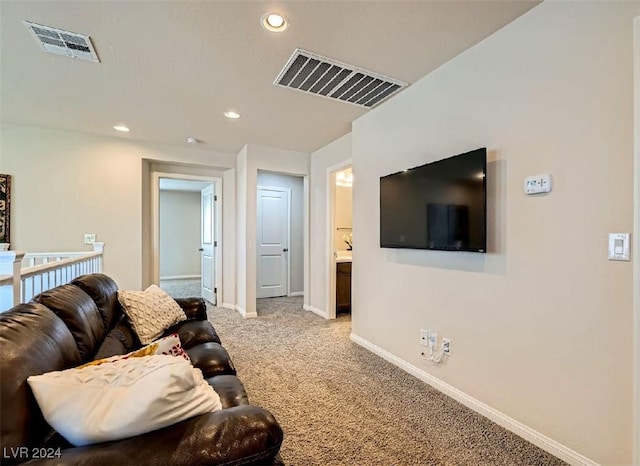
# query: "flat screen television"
(441, 205)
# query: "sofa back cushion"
(104, 292)
(33, 340)
(79, 313)
(121, 339)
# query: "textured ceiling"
(170, 69)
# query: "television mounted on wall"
(441, 205)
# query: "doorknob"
(285, 250)
(200, 249)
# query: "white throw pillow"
(150, 312)
(124, 398)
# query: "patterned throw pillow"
(169, 345)
(150, 312)
(129, 397)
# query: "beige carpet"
(340, 404)
(182, 287)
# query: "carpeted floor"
(182, 288)
(340, 404)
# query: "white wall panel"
(540, 326)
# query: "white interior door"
(207, 244)
(272, 227)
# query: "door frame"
(155, 224)
(636, 243)
(280, 190)
(330, 263)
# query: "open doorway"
(179, 216)
(279, 241)
(186, 225)
(340, 241)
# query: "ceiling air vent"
(315, 74)
(62, 42)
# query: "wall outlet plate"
(424, 337)
(89, 238)
(433, 340)
(446, 346)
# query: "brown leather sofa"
(76, 323)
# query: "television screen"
(440, 205)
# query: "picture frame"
(5, 208)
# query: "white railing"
(23, 276)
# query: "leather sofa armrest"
(194, 308)
(242, 435)
(212, 359)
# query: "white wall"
(179, 233)
(241, 232)
(296, 240)
(343, 215)
(65, 184)
(228, 298)
(251, 159)
(541, 325)
(335, 154)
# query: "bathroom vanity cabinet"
(343, 287)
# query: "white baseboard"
(527, 433)
(239, 309)
(315, 310)
(297, 293)
(180, 277)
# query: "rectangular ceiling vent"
(315, 74)
(62, 42)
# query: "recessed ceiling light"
(122, 128)
(231, 114)
(274, 22)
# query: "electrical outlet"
(89, 238)
(446, 346)
(424, 337)
(433, 340)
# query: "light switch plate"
(619, 247)
(537, 184)
(89, 238)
